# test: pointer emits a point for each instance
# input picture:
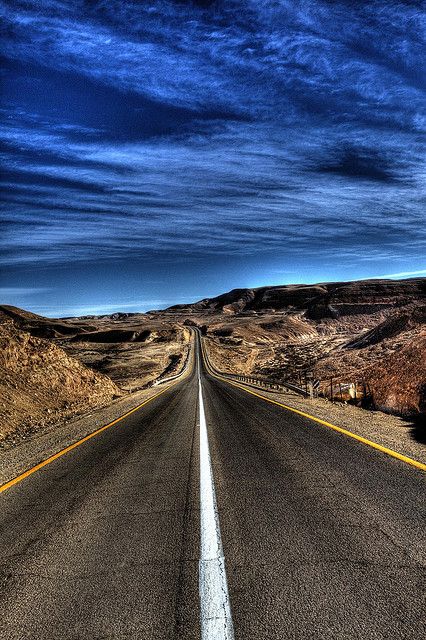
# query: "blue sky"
(160, 152)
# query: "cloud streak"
(7, 292)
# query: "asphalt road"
(323, 537)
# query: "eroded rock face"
(390, 358)
(326, 300)
(399, 380)
(397, 323)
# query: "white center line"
(216, 620)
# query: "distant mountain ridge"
(321, 300)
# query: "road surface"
(322, 536)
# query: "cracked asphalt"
(324, 537)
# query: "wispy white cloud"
(182, 56)
(17, 292)
(401, 274)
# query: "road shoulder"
(392, 432)
(42, 445)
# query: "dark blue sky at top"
(160, 152)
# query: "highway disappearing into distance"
(211, 513)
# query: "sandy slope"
(78, 364)
(40, 383)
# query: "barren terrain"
(40, 383)
(52, 370)
(371, 334)
(364, 342)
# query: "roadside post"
(316, 385)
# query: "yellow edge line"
(370, 443)
(42, 464)
(350, 434)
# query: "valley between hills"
(370, 333)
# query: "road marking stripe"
(350, 434)
(216, 620)
(57, 455)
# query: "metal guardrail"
(353, 392)
(262, 383)
(176, 375)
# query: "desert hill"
(40, 326)
(52, 369)
(133, 349)
(40, 383)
